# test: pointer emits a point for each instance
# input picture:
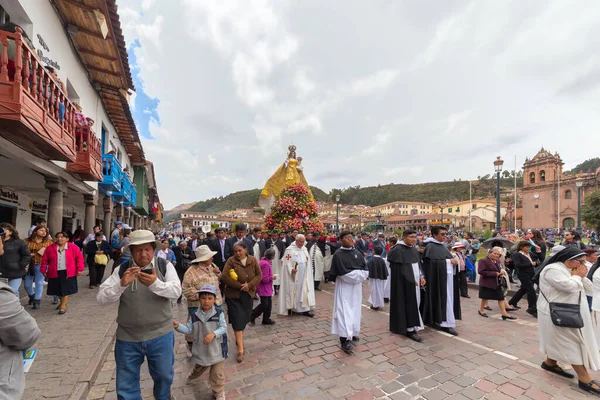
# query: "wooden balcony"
(88, 166)
(35, 112)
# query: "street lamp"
(337, 214)
(441, 206)
(498, 168)
(579, 184)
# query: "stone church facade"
(549, 195)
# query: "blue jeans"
(129, 356)
(61, 112)
(39, 283)
(15, 284)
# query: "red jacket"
(74, 261)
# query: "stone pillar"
(91, 201)
(58, 188)
(127, 217)
(108, 208)
(119, 209)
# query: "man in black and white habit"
(442, 307)
(348, 271)
(407, 282)
(297, 290)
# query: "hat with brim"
(137, 238)
(203, 253)
(458, 245)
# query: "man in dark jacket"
(240, 236)
(218, 244)
(183, 255)
(99, 247)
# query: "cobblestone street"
(298, 358)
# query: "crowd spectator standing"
(97, 251)
(144, 288)
(37, 242)
(16, 258)
(62, 264)
(264, 289)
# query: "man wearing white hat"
(144, 287)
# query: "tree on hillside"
(588, 165)
(590, 211)
(506, 173)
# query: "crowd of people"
(422, 276)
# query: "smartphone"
(147, 269)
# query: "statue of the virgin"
(289, 174)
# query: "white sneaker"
(220, 397)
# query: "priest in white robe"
(297, 292)
(348, 271)
(317, 254)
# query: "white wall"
(45, 22)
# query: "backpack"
(215, 318)
(161, 262)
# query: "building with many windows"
(70, 149)
(399, 208)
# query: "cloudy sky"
(370, 92)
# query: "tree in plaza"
(294, 209)
(590, 211)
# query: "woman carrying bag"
(97, 252)
(567, 337)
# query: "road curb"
(94, 366)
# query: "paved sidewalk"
(298, 358)
(71, 346)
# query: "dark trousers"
(96, 274)
(526, 288)
(462, 283)
(317, 284)
(263, 308)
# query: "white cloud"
(393, 90)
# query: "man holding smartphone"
(144, 287)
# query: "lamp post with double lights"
(498, 168)
(579, 184)
(337, 214)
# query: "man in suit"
(258, 244)
(380, 242)
(362, 244)
(218, 244)
(194, 243)
(291, 238)
(240, 236)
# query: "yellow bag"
(233, 275)
(101, 259)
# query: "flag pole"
(470, 204)
(515, 207)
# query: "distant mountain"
(173, 213)
(243, 199)
(372, 196)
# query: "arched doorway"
(568, 223)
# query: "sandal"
(61, 311)
(484, 315)
(240, 357)
(555, 369)
(487, 308)
(589, 387)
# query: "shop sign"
(67, 213)
(9, 196)
(39, 207)
(45, 59)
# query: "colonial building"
(549, 195)
(57, 164)
(400, 208)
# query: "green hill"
(371, 196)
(243, 199)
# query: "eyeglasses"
(582, 262)
(444, 234)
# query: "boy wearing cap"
(209, 331)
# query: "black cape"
(404, 311)
(434, 267)
(345, 261)
(377, 268)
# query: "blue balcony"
(124, 195)
(112, 175)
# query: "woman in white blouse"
(564, 280)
